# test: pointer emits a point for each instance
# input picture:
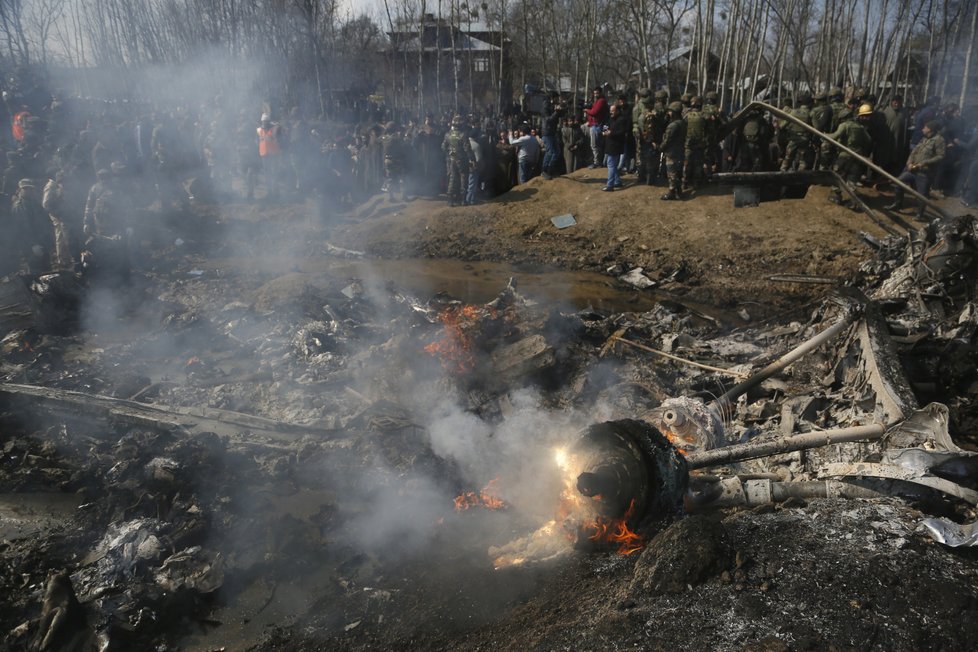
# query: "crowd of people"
(80, 174)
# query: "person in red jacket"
(19, 125)
(270, 151)
(597, 115)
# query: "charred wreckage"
(278, 436)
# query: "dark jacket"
(618, 128)
(551, 120)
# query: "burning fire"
(454, 348)
(615, 531)
(599, 529)
(577, 519)
(488, 498)
(679, 442)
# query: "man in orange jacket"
(270, 150)
(19, 126)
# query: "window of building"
(481, 64)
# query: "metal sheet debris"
(950, 533)
(563, 221)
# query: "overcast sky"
(357, 7)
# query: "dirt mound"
(723, 254)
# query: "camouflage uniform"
(459, 160)
(32, 232)
(798, 151)
(393, 146)
(827, 152)
(696, 143)
(107, 215)
(821, 116)
(650, 129)
(752, 147)
(673, 147)
(853, 135)
(714, 121)
(643, 101)
(53, 202)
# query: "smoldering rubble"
(312, 460)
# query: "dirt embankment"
(723, 255)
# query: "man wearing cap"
(270, 151)
(925, 159)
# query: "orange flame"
(486, 499)
(615, 531)
(454, 348)
(676, 441)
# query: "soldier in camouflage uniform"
(106, 228)
(393, 146)
(798, 153)
(696, 143)
(851, 133)
(459, 160)
(822, 120)
(673, 147)
(32, 235)
(714, 121)
(644, 98)
(827, 152)
(752, 146)
(649, 130)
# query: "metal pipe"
(736, 119)
(755, 449)
(870, 213)
(721, 404)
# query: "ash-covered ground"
(267, 440)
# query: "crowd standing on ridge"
(81, 175)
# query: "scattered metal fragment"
(950, 533)
(563, 221)
(689, 424)
(725, 402)
(777, 445)
(637, 279)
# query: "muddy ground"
(342, 534)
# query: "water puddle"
(26, 514)
(479, 282)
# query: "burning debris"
(319, 437)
